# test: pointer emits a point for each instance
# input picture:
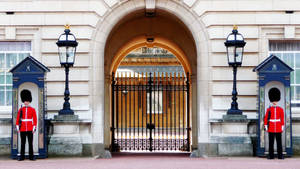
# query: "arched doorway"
(150, 102)
(137, 30)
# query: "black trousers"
(29, 136)
(271, 144)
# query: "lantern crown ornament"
(235, 47)
(67, 47)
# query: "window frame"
(293, 101)
(5, 71)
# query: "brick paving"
(152, 161)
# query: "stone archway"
(109, 39)
(158, 41)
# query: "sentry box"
(30, 74)
(273, 72)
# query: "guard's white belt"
(274, 120)
(27, 120)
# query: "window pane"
(15, 46)
(11, 60)
(2, 96)
(2, 64)
(23, 56)
(297, 76)
(8, 95)
(277, 54)
(2, 78)
(8, 78)
(292, 92)
(288, 58)
(297, 94)
(297, 64)
(11, 53)
(284, 45)
(292, 77)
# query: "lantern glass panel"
(239, 37)
(235, 55)
(230, 54)
(62, 54)
(70, 54)
(239, 55)
(63, 37)
(231, 37)
(66, 54)
(71, 38)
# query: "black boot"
(32, 158)
(20, 158)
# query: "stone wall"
(5, 135)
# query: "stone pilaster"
(65, 140)
(230, 136)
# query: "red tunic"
(276, 119)
(28, 118)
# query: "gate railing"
(150, 112)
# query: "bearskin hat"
(26, 95)
(274, 94)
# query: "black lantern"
(67, 49)
(235, 48)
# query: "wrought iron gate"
(150, 112)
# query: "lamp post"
(67, 49)
(235, 48)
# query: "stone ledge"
(5, 141)
(231, 139)
(5, 120)
(66, 118)
(222, 120)
(69, 120)
(296, 119)
(235, 118)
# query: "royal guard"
(26, 124)
(274, 123)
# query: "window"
(11, 53)
(289, 52)
(157, 102)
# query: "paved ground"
(153, 161)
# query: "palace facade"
(180, 42)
